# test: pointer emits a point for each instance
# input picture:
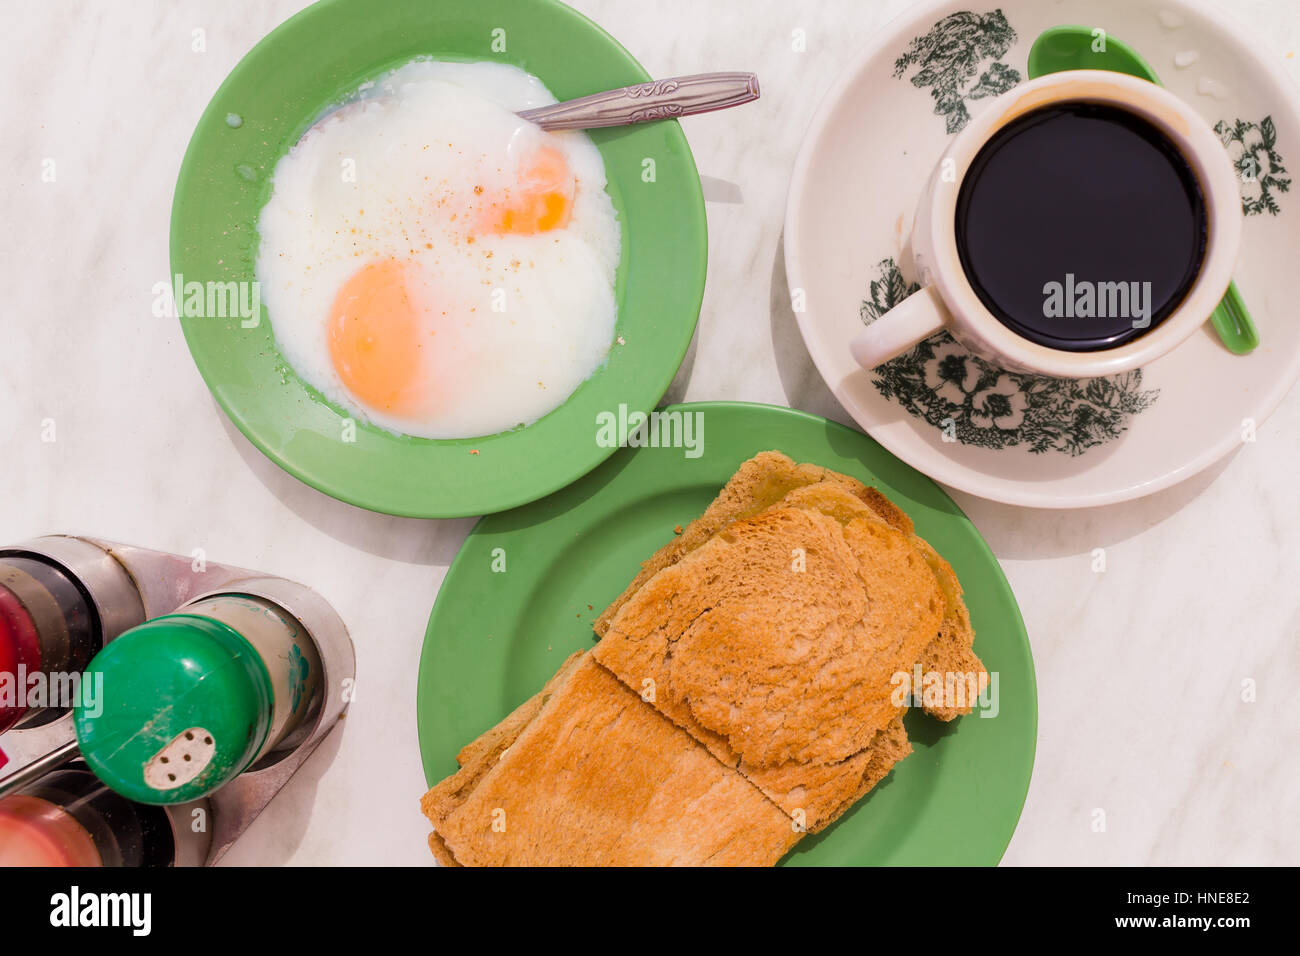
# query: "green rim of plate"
(494, 637)
(312, 62)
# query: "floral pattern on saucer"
(949, 61)
(977, 403)
(1253, 150)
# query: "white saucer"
(1022, 439)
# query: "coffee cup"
(1098, 198)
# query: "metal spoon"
(1071, 48)
(672, 98)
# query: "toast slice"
(778, 639)
(766, 480)
(775, 644)
(586, 773)
(816, 793)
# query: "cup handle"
(917, 317)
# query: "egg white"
(512, 324)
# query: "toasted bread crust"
(817, 794)
(441, 852)
(481, 754)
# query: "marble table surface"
(1139, 669)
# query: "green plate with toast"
(523, 593)
(312, 63)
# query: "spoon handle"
(659, 99)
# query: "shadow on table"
(802, 384)
(278, 831)
(1063, 532)
(422, 541)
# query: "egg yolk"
(374, 337)
(542, 201)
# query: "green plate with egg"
(312, 63)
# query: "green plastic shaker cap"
(178, 707)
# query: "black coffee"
(1080, 226)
